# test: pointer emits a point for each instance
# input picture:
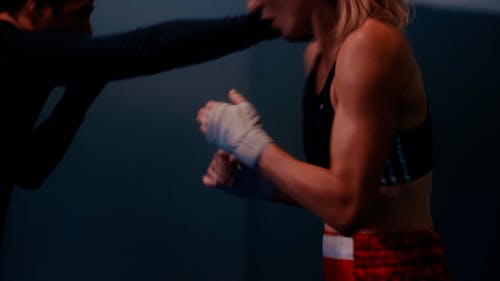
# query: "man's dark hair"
(14, 5)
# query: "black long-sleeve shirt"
(33, 63)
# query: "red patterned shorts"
(412, 256)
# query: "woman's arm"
(372, 70)
(226, 173)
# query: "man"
(44, 43)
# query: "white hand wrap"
(236, 129)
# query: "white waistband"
(338, 247)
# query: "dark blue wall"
(460, 59)
(127, 202)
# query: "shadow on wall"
(459, 55)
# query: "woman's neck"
(324, 24)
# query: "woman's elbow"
(346, 219)
(347, 226)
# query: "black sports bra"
(410, 155)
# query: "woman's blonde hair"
(353, 13)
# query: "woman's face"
(291, 17)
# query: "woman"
(367, 140)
